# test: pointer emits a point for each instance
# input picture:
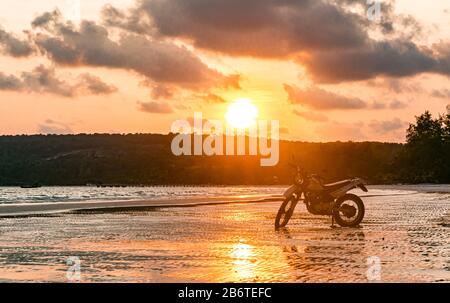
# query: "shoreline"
(25, 209)
(37, 209)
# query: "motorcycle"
(323, 199)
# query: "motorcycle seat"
(336, 185)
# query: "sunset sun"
(242, 114)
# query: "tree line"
(146, 159)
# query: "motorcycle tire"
(285, 212)
(337, 212)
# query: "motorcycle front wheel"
(285, 212)
(349, 210)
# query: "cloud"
(378, 105)
(94, 85)
(397, 86)
(9, 82)
(317, 32)
(13, 46)
(162, 92)
(384, 58)
(90, 45)
(396, 104)
(231, 82)
(249, 27)
(51, 127)
(311, 116)
(319, 99)
(388, 126)
(134, 20)
(44, 80)
(155, 107)
(45, 19)
(212, 98)
(441, 93)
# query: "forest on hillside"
(146, 159)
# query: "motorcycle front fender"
(290, 191)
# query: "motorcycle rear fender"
(363, 187)
(291, 190)
(357, 182)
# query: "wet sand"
(408, 232)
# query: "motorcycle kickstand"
(332, 222)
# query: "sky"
(323, 68)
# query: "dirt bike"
(323, 199)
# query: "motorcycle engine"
(318, 204)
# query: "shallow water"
(408, 231)
(87, 193)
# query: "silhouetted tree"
(426, 157)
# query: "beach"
(227, 239)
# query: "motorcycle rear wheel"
(285, 212)
(339, 214)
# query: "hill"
(146, 159)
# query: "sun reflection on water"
(244, 262)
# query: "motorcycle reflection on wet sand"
(321, 262)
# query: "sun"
(241, 114)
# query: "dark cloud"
(311, 116)
(90, 45)
(384, 127)
(155, 107)
(44, 80)
(134, 20)
(263, 28)
(13, 46)
(319, 33)
(46, 19)
(9, 82)
(393, 59)
(319, 99)
(329, 37)
(443, 51)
